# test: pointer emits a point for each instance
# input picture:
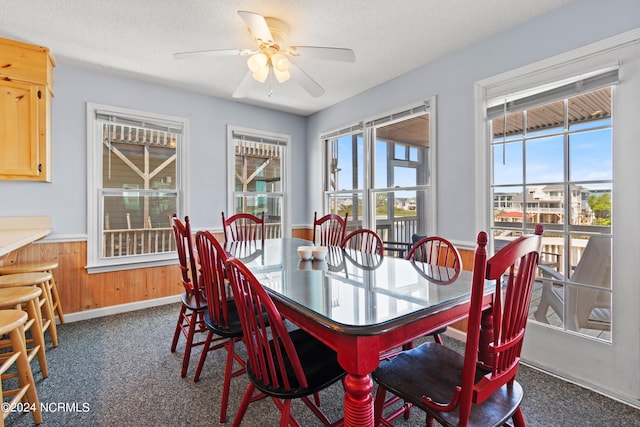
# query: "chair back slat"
(266, 338)
(330, 229)
(512, 270)
(187, 262)
(212, 277)
(364, 240)
(243, 227)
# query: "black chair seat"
(233, 329)
(319, 362)
(434, 370)
(190, 302)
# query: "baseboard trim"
(456, 334)
(122, 308)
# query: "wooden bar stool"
(15, 298)
(41, 281)
(34, 267)
(12, 322)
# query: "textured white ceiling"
(137, 38)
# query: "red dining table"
(360, 305)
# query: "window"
(134, 186)
(552, 164)
(380, 172)
(258, 164)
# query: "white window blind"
(523, 102)
(164, 126)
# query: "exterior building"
(545, 204)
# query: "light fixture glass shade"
(257, 62)
(280, 65)
(261, 74)
(280, 62)
(281, 76)
(259, 66)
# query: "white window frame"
(285, 170)
(579, 359)
(95, 262)
(367, 128)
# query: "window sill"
(121, 264)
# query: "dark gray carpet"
(118, 371)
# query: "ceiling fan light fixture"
(280, 65)
(273, 51)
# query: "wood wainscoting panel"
(80, 291)
(301, 233)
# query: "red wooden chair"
(435, 250)
(363, 248)
(456, 389)
(194, 305)
(364, 240)
(438, 251)
(221, 317)
(282, 365)
(243, 227)
(329, 230)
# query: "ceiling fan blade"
(326, 53)
(305, 81)
(243, 89)
(258, 26)
(216, 52)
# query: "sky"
(589, 152)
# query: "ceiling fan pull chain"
(270, 85)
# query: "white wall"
(64, 198)
(451, 79)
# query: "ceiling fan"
(273, 56)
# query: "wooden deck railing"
(140, 241)
(137, 241)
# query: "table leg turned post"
(485, 357)
(358, 402)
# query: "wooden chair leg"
(26, 298)
(37, 335)
(55, 297)
(48, 315)
(25, 376)
(230, 345)
(518, 419)
(248, 398)
(12, 323)
(193, 321)
(203, 357)
(176, 334)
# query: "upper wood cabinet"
(26, 89)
